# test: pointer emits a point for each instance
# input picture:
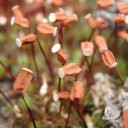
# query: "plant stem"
(6, 98)
(91, 35)
(93, 57)
(69, 114)
(35, 64)
(59, 85)
(29, 111)
(60, 35)
(5, 68)
(117, 74)
(79, 114)
(47, 61)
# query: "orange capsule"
(87, 48)
(91, 21)
(123, 35)
(119, 19)
(109, 59)
(23, 22)
(77, 92)
(101, 23)
(23, 80)
(28, 39)
(62, 56)
(125, 118)
(58, 16)
(61, 95)
(101, 43)
(69, 20)
(47, 29)
(69, 69)
(55, 2)
(105, 3)
(17, 12)
(122, 7)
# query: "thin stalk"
(47, 61)
(60, 35)
(110, 37)
(69, 114)
(117, 74)
(93, 58)
(59, 85)
(35, 64)
(79, 114)
(29, 111)
(6, 98)
(6, 69)
(91, 35)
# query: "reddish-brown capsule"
(55, 2)
(28, 39)
(69, 69)
(105, 3)
(17, 12)
(61, 95)
(70, 20)
(101, 43)
(57, 16)
(125, 118)
(23, 80)
(101, 23)
(62, 56)
(23, 22)
(77, 92)
(87, 48)
(122, 7)
(123, 35)
(47, 29)
(109, 59)
(119, 19)
(91, 21)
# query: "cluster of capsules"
(88, 48)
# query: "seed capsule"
(17, 11)
(91, 21)
(119, 19)
(69, 69)
(105, 3)
(77, 92)
(123, 35)
(69, 20)
(62, 56)
(109, 59)
(55, 2)
(87, 48)
(46, 29)
(58, 16)
(125, 117)
(28, 39)
(23, 22)
(101, 43)
(23, 80)
(61, 95)
(122, 7)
